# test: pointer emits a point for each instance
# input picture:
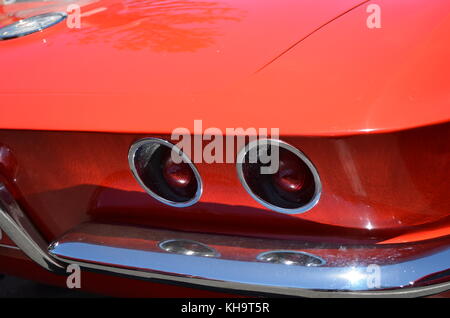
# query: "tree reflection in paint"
(164, 25)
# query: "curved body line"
(307, 36)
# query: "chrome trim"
(34, 19)
(298, 153)
(208, 251)
(131, 154)
(21, 231)
(10, 246)
(261, 257)
(140, 257)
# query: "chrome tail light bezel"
(318, 184)
(151, 140)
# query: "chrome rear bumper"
(20, 230)
(349, 271)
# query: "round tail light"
(173, 182)
(292, 188)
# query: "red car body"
(369, 107)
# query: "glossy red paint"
(369, 107)
(376, 188)
(132, 63)
(5, 241)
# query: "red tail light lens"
(178, 175)
(291, 173)
(294, 188)
(175, 184)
